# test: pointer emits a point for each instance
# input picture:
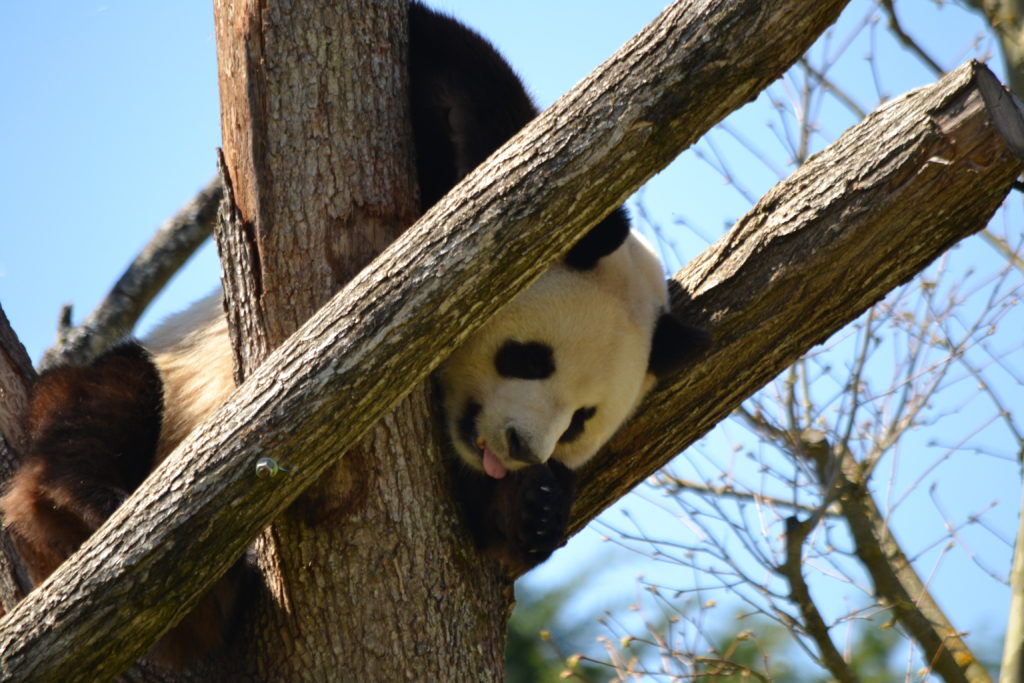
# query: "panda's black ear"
(673, 344)
(603, 239)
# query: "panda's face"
(555, 372)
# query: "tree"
(321, 371)
(772, 526)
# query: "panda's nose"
(519, 449)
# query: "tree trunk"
(403, 583)
(301, 232)
(16, 378)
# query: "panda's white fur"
(192, 351)
(599, 324)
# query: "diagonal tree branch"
(800, 593)
(899, 586)
(917, 175)
(172, 244)
(901, 35)
(896, 582)
(844, 229)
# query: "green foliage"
(768, 648)
(541, 648)
(539, 641)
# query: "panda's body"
(532, 395)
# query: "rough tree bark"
(174, 242)
(16, 378)
(293, 235)
(332, 379)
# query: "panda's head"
(558, 370)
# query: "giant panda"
(526, 400)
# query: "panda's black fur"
(95, 432)
(467, 102)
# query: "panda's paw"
(543, 515)
(537, 504)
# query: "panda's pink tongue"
(492, 466)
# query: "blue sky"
(110, 123)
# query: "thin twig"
(905, 39)
(1001, 246)
(835, 90)
(678, 485)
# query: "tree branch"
(675, 486)
(1006, 17)
(898, 585)
(172, 244)
(858, 219)
(16, 378)
(907, 41)
(813, 623)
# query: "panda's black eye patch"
(467, 423)
(525, 360)
(577, 423)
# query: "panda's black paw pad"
(543, 515)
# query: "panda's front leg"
(521, 518)
(535, 504)
(531, 509)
